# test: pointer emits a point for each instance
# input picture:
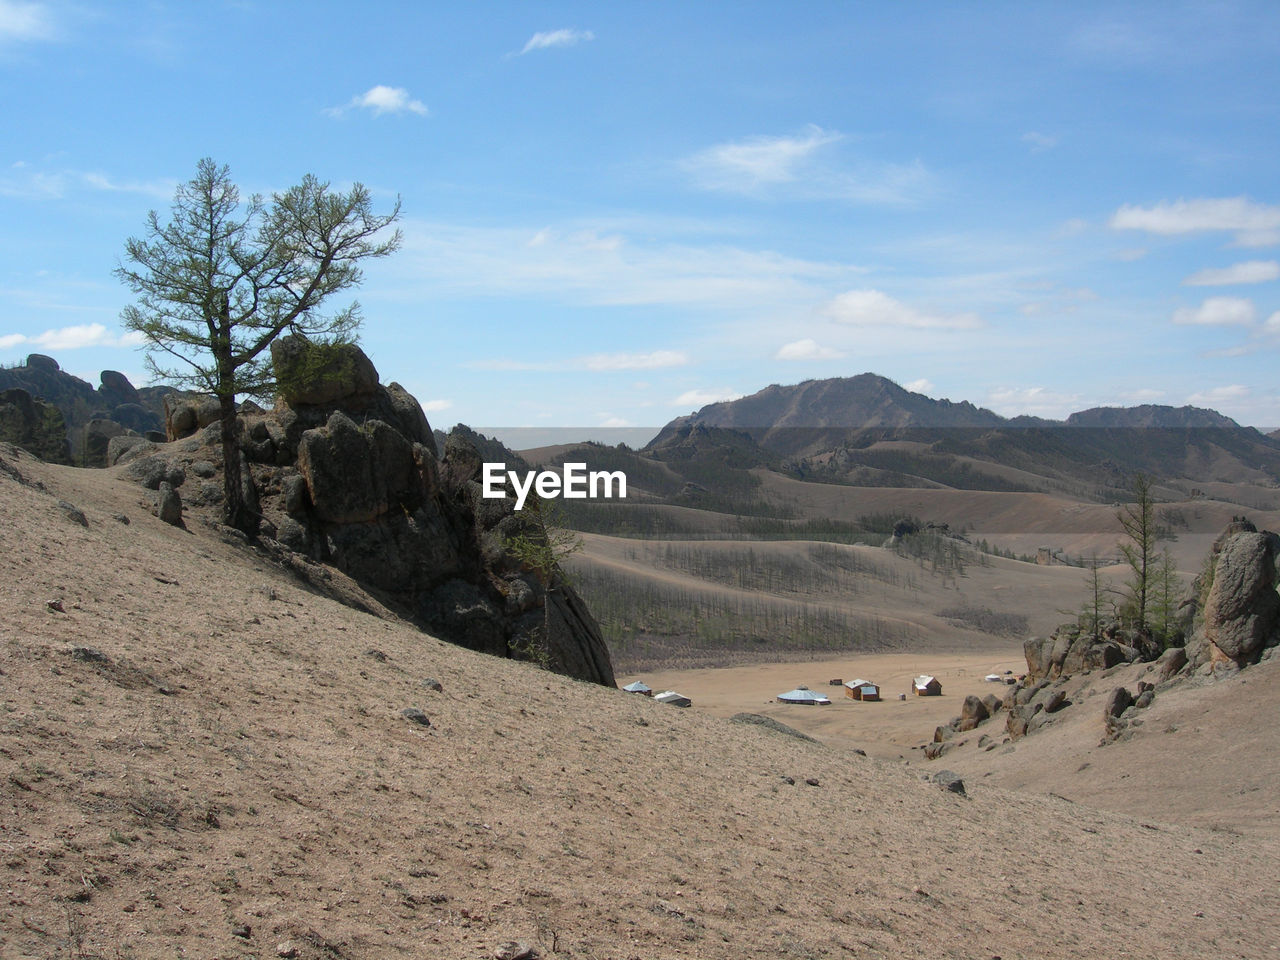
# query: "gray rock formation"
(34, 425)
(1242, 609)
(169, 504)
(345, 472)
(116, 400)
(1070, 650)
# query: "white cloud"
(1036, 401)
(1130, 254)
(25, 21)
(596, 265)
(382, 99)
(1143, 395)
(435, 406)
(73, 338)
(800, 166)
(154, 188)
(922, 385)
(806, 349)
(1227, 394)
(1039, 141)
(1217, 312)
(1257, 238)
(873, 308)
(1241, 350)
(700, 398)
(1255, 224)
(616, 422)
(557, 38)
(596, 361)
(31, 184)
(1251, 271)
(757, 160)
(634, 361)
(1273, 323)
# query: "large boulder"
(117, 389)
(186, 413)
(1242, 610)
(38, 361)
(313, 374)
(355, 473)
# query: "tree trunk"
(234, 512)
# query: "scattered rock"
(55, 605)
(431, 683)
(1170, 663)
(1144, 699)
(155, 470)
(120, 518)
(1056, 701)
(286, 950)
(169, 505)
(414, 715)
(73, 513)
(973, 709)
(243, 931)
(950, 781)
(516, 950)
(1118, 701)
(812, 781)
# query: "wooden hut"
(926, 686)
(861, 690)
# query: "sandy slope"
(239, 758)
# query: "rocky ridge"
(345, 472)
(1230, 621)
(91, 416)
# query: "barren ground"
(200, 757)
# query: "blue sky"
(615, 213)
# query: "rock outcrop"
(1072, 649)
(1242, 608)
(34, 425)
(1238, 618)
(346, 472)
(90, 416)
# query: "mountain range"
(868, 430)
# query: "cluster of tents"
(667, 696)
(864, 690)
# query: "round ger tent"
(803, 695)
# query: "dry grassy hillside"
(1023, 522)
(203, 758)
(795, 599)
